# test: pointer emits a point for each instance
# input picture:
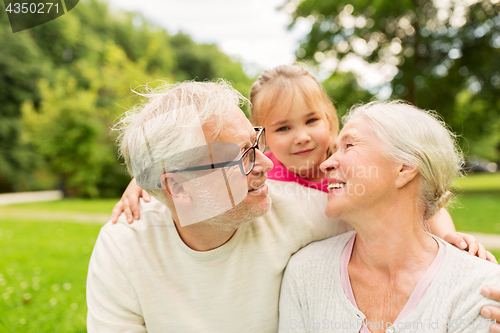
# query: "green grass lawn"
(43, 269)
(477, 212)
(42, 275)
(479, 182)
(477, 207)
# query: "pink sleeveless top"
(279, 172)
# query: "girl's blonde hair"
(283, 87)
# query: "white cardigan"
(312, 299)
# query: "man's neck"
(202, 237)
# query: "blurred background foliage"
(438, 54)
(62, 85)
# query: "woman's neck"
(395, 241)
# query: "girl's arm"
(442, 226)
(129, 203)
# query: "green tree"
(436, 54)
(66, 133)
(206, 61)
(72, 77)
(345, 91)
(21, 66)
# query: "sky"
(252, 31)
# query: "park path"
(9, 212)
(490, 241)
(42, 216)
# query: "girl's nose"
(302, 137)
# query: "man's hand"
(489, 311)
(129, 203)
(471, 244)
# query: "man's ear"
(405, 175)
(172, 185)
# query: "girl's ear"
(172, 185)
(405, 175)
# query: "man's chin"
(241, 214)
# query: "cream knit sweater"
(312, 299)
(143, 278)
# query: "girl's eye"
(282, 129)
(310, 121)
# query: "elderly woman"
(392, 169)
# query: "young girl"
(301, 126)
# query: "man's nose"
(262, 162)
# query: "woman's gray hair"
(159, 135)
(417, 138)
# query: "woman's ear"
(172, 185)
(405, 175)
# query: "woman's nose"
(330, 164)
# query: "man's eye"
(282, 129)
(310, 121)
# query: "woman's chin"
(332, 212)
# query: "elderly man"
(209, 254)
(171, 272)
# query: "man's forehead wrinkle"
(243, 139)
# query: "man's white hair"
(419, 139)
(159, 134)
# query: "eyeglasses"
(246, 161)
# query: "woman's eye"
(310, 121)
(282, 129)
(348, 145)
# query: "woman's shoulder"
(320, 254)
(464, 275)
(471, 266)
(457, 287)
